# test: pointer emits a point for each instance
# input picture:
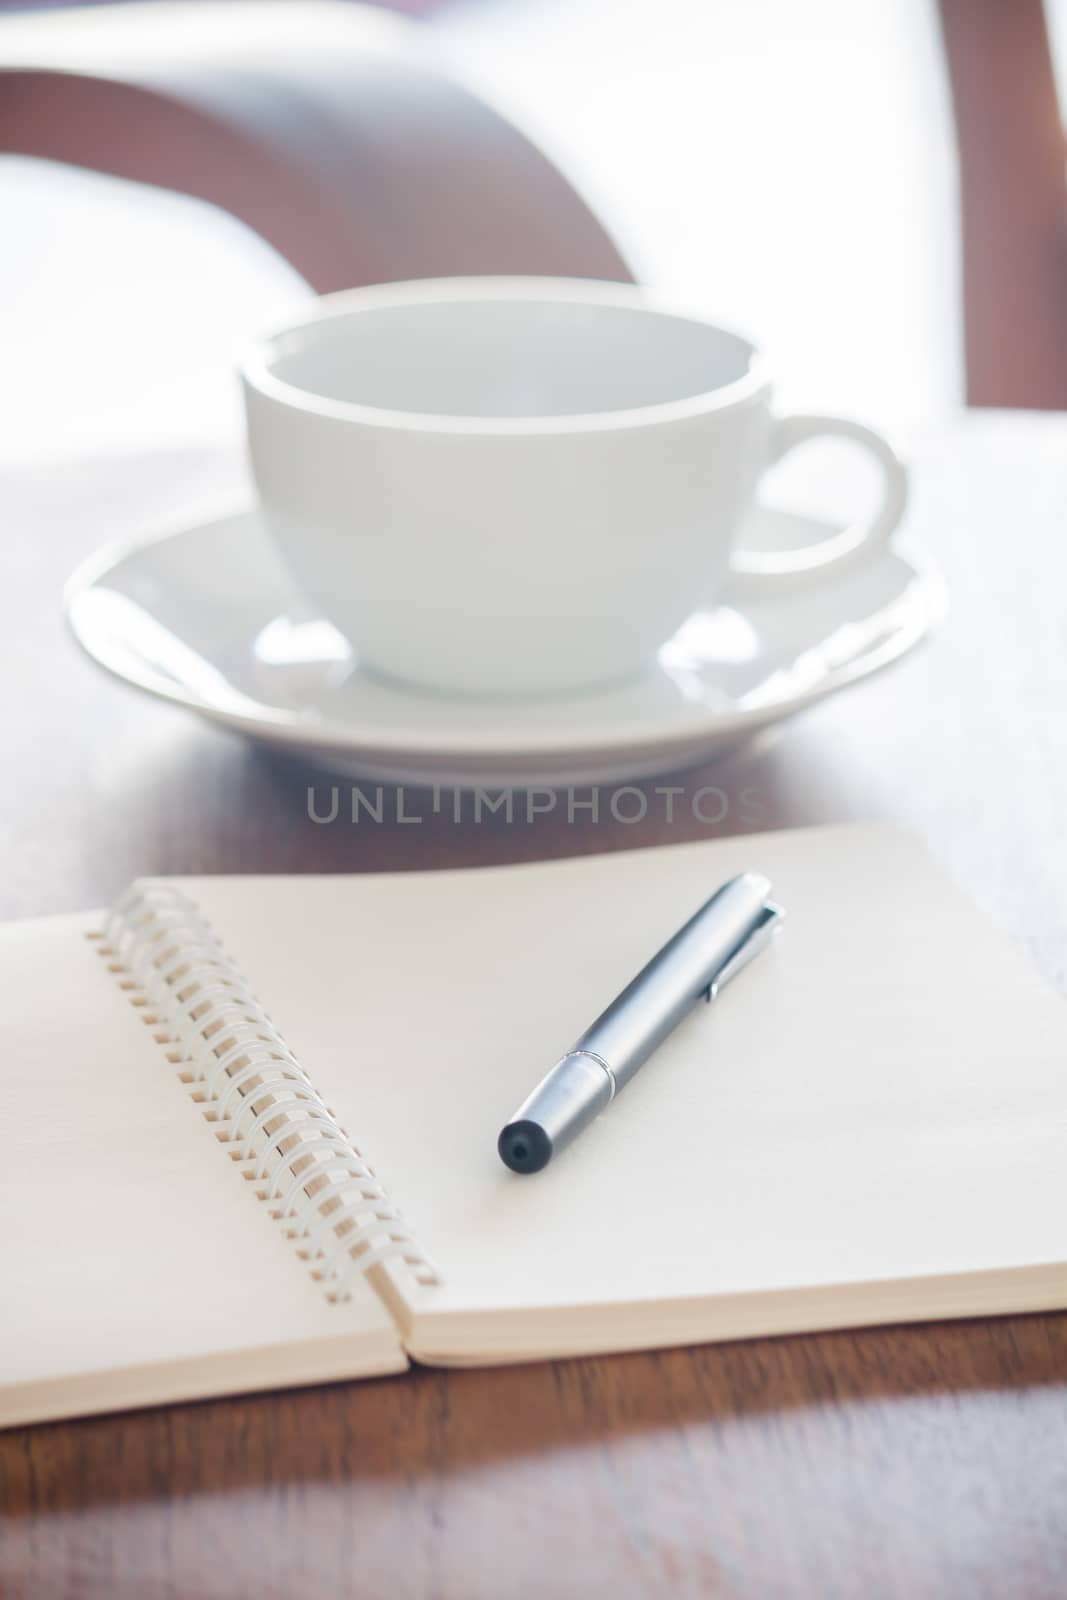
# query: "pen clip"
(757, 940)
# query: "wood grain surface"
(916, 1462)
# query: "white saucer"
(206, 616)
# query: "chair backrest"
(1013, 202)
(325, 127)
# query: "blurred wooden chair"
(328, 129)
(324, 126)
(1012, 154)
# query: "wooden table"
(915, 1462)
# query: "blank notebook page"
(881, 1096)
(136, 1265)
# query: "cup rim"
(257, 372)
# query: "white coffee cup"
(522, 485)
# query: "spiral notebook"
(250, 1123)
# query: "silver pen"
(721, 938)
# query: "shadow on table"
(430, 1422)
(205, 803)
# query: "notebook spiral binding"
(253, 1091)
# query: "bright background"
(789, 167)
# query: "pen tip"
(524, 1147)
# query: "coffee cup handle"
(759, 570)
